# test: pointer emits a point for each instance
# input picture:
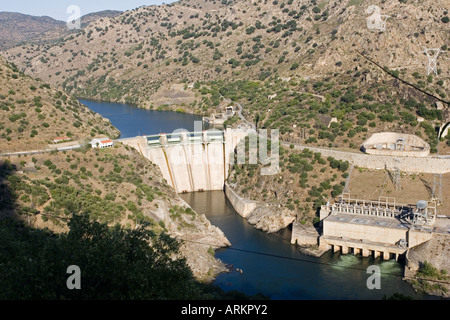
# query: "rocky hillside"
(293, 65)
(17, 28)
(433, 264)
(305, 181)
(33, 114)
(201, 40)
(45, 190)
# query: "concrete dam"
(191, 161)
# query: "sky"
(57, 9)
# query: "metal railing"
(185, 138)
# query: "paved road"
(28, 153)
(241, 116)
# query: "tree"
(115, 263)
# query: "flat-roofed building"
(102, 143)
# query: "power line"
(290, 258)
(308, 261)
(403, 81)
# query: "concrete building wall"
(416, 237)
(363, 248)
(367, 239)
(366, 232)
(304, 236)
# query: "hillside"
(312, 69)
(33, 114)
(17, 28)
(46, 190)
(431, 258)
(91, 17)
(305, 181)
(201, 40)
(186, 55)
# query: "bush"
(250, 30)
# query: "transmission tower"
(397, 178)
(437, 188)
(432, 55)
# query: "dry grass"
(371, 184)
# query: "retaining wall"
(242, 206)
(405, 164)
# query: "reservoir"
(270, 264)
(132, 121)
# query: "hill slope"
(114, 186)
(199, 40)
(46, 189)
(18, 28)
(33, 114)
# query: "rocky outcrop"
(263, 216)
(199, 251)
(436, 252)
(199, 240)
(271, 218)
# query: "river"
(270, 264)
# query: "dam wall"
(192, 168)
(191, 162)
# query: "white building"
(101, 143)
(61, 139)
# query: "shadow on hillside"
(112, 263)
(7, 196)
